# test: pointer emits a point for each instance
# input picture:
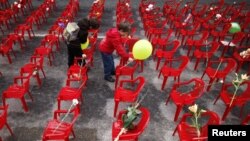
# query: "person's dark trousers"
(72, 53)
(108, 64)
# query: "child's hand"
(84, 56)
(130, 60)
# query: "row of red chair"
(213, 72)
(13, 12)
(27, 26)
(56, 129)
(32, 69)
(210, 48)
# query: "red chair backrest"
(198, 87)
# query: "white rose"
(75, 102)
(193, 108)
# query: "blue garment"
(108, 64)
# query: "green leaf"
(129, 120)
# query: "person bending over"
(113, 41)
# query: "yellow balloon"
(142, 49)
(85, 45)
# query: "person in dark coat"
(113, 41)
(74, 47)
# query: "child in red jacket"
(113, 41)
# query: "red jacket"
(113, 41)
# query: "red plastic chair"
(246, 120)
(34, 19)
(5, 49)
(170, 69)
(38, 61)
(18, 91)
(89, 52)
(132, 134)
(32, 68)
(5, 17)
(93, 33)
(161, 43)
(123, 94)
(211, 24)
(51, 40)
(56, 30)
(3, 118)
(69, 93)
(125, 70)
(15, 37)
(77, 72)
(182, 98)
(239, 58)
(223, 67)
(196, 43)
(189, 33)
(129, 43)
(57, 129)
(188, 133)
(240, 100)
(233, 44)
(44, 51)
(21, 28)
(205, 52)
(219, 35)
(51, 4)
(166, 54)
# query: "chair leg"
(164, 82)
(7, 125)
(158, 63)
(210, 83)
(203, 74)
(29, 34)
(159, 75)
(73, 133)
(58, 104)
(38, 80)
(175, 130)
(116, 107)
(228, 108)
(142, 66)
(116, 81)
(20, 43)
(178, 110)
(241, 110)
(4, 100)
(43, 73)
(168, 100)
(189, 49)
(30, 95)
(9, 58)
(50, 62)
(196, 64)
(25, 107)
(217, 99)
